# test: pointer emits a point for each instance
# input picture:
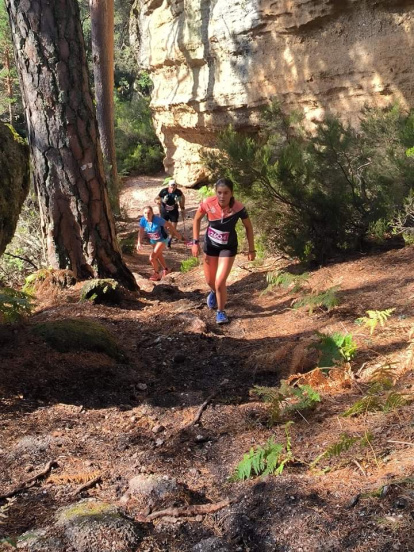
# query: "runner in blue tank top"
(155, 228)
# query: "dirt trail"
(123, 420)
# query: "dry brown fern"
(77, 478)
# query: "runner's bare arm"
(196, 233)
(141, 233)
(250, 238)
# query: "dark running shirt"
(221, 230)
(170, 201)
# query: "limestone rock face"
(14, 182)
(215, 62)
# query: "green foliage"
(138, 148)
(14, 305)
(374, 318)
(25, 252)
(206, 191)
(335, 349)
(269, 459)
(380, 396)
(327, 299)
(286, 399)
(286, 280)
(101, 290)
(11, 106)
(403, 220)
(78, 335)
(189, 264)
(343, 445)
(318, 194)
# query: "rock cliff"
(215, 62)
(14, 182)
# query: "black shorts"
(212, 251)
(171, 216)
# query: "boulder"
(218, 63)
(14, 181)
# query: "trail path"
(165, 428)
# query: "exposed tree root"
(30, 482)
(184, 511)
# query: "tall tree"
(9, 93)
(76, 217)
(102, 30)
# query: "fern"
(374, 318)
(327, 299)
(304, 398)
(4, 514)
(307, 398)
(267, 460)
(285, 280)
(383, 378)
(366, 404)
(14, 305)
(375, 403)
(343, 445)
(335, 348)
(393, 401)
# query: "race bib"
(154, 235)
(217, 236)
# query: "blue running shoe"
(221, 317)
(211, 300)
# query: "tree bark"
(76, 217)
(102, 29)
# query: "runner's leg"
(153, 259)
(210, 269)
(223, 270)
(158, 252)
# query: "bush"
(318, 194)
(24, 253)
(189, 264)
(14, 305)
(138, 148)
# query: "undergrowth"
(269, 459)
(287, 399)
(189, 264)
(14, 305)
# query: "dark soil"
(94, 414)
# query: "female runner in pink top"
(220, 242)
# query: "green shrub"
(189, 264)
(138, 148)
(319, 194)
(25, 252)
(206, 191)
(335, 348)
(78, 335)
(14, 305)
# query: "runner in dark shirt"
(169, 199)
(220, 242)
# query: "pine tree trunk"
(76, 217)
(9, 84)
(102, 28)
